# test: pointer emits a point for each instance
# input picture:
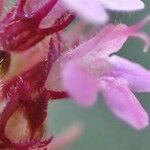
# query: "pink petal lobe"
(114, 40)
(123, 5)
(88, 10)
(124, 104)
(137, 76)
(80, 85)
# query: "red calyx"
(20, 31)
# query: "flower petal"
(54, 81)
(113, 41)
(123, 5)
(137, 76)
(108, 41)
(124, 104)
(89, 10)
(80, 85)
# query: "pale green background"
(103, 131)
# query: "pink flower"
(90, 68)
(94, 10)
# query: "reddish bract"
(20, 31)
(27, 90)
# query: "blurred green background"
(103, 131)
